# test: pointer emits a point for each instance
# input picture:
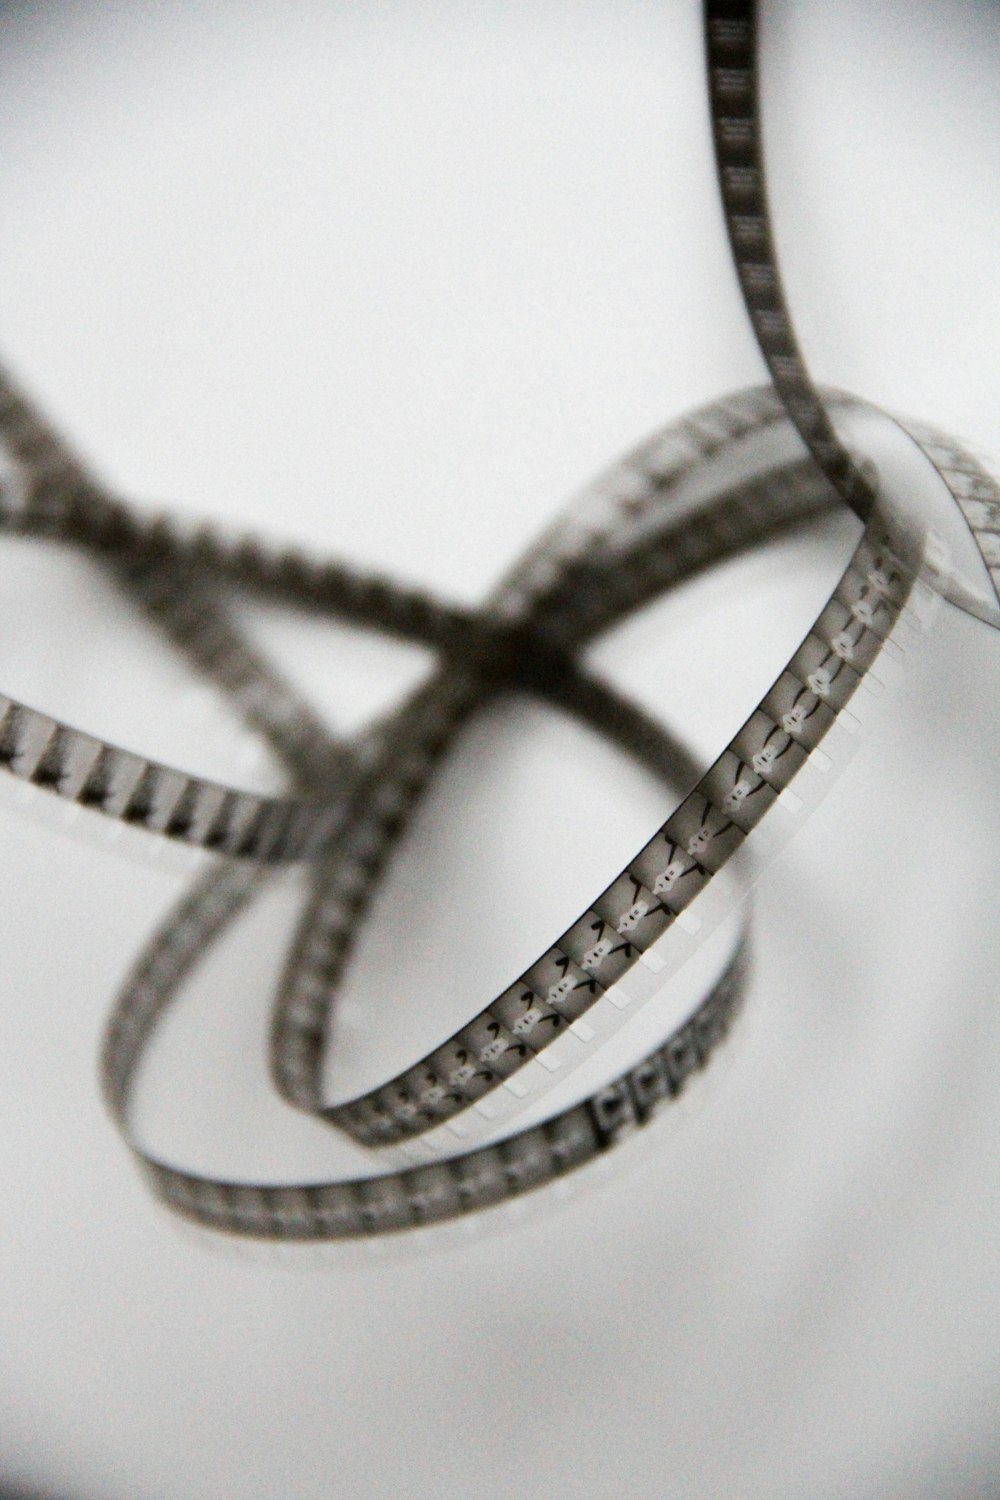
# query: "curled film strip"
(419, 1194)
(587, 965)
(130, 1025)
(168, 1182)
(730, 540)
(55, 498)
(734, 519)
(578, 580)
(208, 902)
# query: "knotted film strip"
(723, 480)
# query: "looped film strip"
(659, 518)
(185, 938)
(730, 521)
(421, 1195)
(469, 1079)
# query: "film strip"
(570, 1140)
(160, 961)
(725, 536)
(657, 519)
(592, 957)
(172, 578)
(731, 35)
(731, 30)
(418, 1195)
(457, 1184)
(735, 519)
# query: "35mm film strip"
(875, 594)
(511, 1034)
(418, 1195)
(671, 509)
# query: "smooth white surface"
(395, 281)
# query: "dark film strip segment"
(642, 486)
(171, 577)
(175, 586)
(555, 579)
(300, 1034)
(564, 982)
(158, 798)
(151, 568)
(706, 830)
(59, 500)
(417, 1196)
(731, 40)
(734, 94)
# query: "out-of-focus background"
(396, 280)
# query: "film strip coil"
(553, 583)
(56, 498)
(459, 1079)
(417, 1195)
(616, 714)
(735, 519)
(816, 500)
(726, 534)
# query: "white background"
(396, 280)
